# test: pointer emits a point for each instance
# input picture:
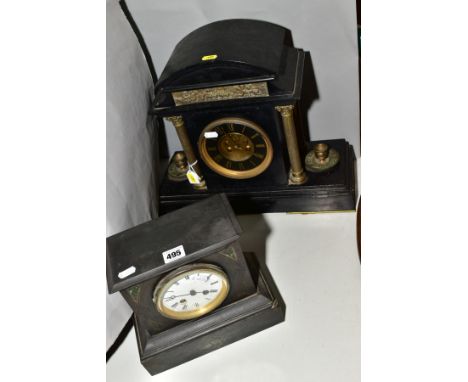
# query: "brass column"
(184, 139)
(297, 174)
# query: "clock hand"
(192, 293)
(173, 297)
(206, 291)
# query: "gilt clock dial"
(191, 291)
(235, 148)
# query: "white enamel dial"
(191, 291)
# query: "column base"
(298, 179)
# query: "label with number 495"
(173, 254)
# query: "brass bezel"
(164, 284)
(228, 173)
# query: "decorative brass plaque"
(220, 93)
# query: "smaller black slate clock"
(191, 287)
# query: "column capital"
(177, 120)
(286, 111)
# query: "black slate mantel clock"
(191, 287)
(237, 93)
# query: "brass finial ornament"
(321, 158)
(177, 170)
(184, 139)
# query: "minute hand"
(192, 293)
(173, 297)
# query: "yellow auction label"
(193, 177)
(210, 57)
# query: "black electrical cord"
(140, 38)
(120, 338)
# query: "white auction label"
(211, 134)
(173, 254)
(127, 272)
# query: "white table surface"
(314, 262)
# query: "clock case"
(209, 232)
(250, 52)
